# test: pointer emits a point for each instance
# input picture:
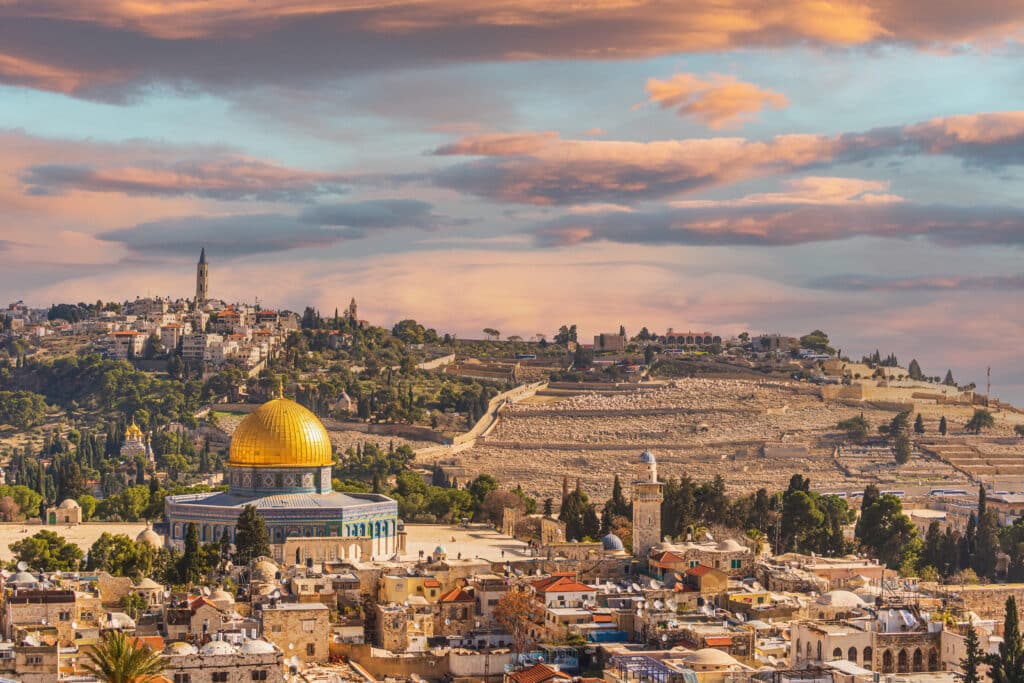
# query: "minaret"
(647, 497)
(202, 279)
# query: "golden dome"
(133, 431)
(280, 433)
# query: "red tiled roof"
(699, 570)
(718, 641)
(457, 595)
(602, 618)
(431, 583)
(561, 584)
(156, 643)
(538, 673)
(199, 602)
(666, 557)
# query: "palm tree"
(122, 659)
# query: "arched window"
(902, 663)
(837, 653)
(851, 655)
(887, 662)
(869, 658)
(819, 650)
(797, 650)
(918, 660)
(808, 650)
(933, 661)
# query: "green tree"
(943, 426)
(122, 658)
(47, 552)
(886, 532)
(857, 428)
(1008, 665)
(986, 543)
(121, 556)
(816, 341)
(481, 486)
(914, 370)
(1018, 430)
(152, 348)
(973, 658)
(982, 419)
(899, 432)
(251, 537)
(192, 564)
(919, 424)
(549, 507)
(949, 382)
(134, 604)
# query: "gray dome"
(647, 458)
(612, 542)
(256, 647)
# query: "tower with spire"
(202, 279)
(353, 313)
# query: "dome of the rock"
(280, 433)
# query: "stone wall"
(382, 664)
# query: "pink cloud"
(543, 168)
(717, 101)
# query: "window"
(735, 564)
(220, 677)
(694, 563)
(64, 616)
(276, 628)
(182, 678)
(308, 625)
(310, 649)
(34, 660)
(259, 675)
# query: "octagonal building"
(280, 462)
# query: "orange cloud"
(716, 101)
(231, 44)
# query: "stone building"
(69, 512)
(727, 555)
(647, 497)
(36, 608)
(219, 661)
(455, 613)
(298, 629)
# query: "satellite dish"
(664, 637)
(74, 624)
(291, 646)
(22, 566)
(447, 622)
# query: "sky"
(731, 166)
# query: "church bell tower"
(202, 279)
(647, 497)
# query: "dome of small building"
(68, 504)
(840, 598)
(439, 550)
(280, 433)
(647, 458)
(256, 647)
(730, 545)
(23, 578)
(612, 542)
(221, 595)
(218, 647)
(181, 648)
(263, 570)
(150, 538)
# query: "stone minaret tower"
(647, 497)
(202, 279)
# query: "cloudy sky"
(853, 165)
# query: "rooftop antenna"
(988, 384)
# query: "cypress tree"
(972, 659)
(942, 425)
(251, 538)
(1008, 665)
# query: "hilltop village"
(244, 494)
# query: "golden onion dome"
(280, 433)
(133, 431)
